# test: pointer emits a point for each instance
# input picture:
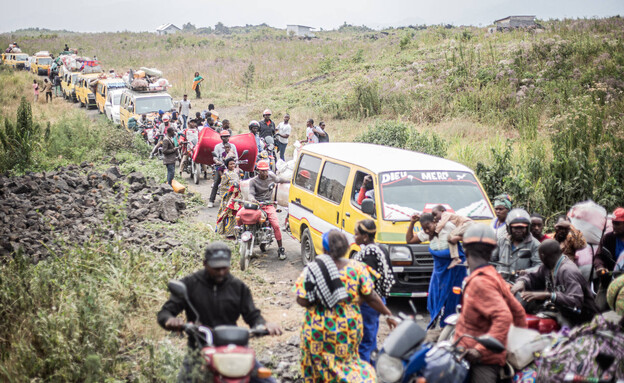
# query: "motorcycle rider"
(260, 191)
(488, 307)
(191, 135)
(519, 239)
(219, 154)
(560, 281)
(208, 289)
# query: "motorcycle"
(189, 166)
(225, 349)
(253, 228)
(405, 357)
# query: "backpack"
(589, 351)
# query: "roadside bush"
(19, 140)
(389, 133)
(400, 135)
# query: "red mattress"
(206, 143)
(246, 141)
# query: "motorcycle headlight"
(389, 368)
(400, 255)
(235, 365)
(246, 236)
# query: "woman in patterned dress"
(230, 190)
(330, 289)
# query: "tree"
(188, 27)
(19, 140)
(222, 29)
(248, 78)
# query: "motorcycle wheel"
(244, 258)
(196, 169)
(308, 253)
(263, 247)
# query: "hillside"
(474, 89)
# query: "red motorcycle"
(225, 349)
(252, 228)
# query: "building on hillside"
(515, 22)
(299, 31)
(167, 29)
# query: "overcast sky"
(147, 15)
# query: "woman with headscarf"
(379, 267)
(230, 191)
(330, 289)
(502, 206)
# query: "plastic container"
(178, 187)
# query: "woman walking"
(36, 90)
(379, 266)
(330, 288)
(230, 191)
(196, 85)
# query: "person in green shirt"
(196, 84)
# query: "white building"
(299, 31)
(167, 29)
(515, 22)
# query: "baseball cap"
(263, 165)
(219, 257)
(562, 223)
(225, 133)
(618, 215)
(266, 111)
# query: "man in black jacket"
(219, 298)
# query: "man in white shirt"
(185, 109)
(282, 134)
(311, 132)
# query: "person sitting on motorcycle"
(209, 288)
(221, 152)
(559, 280)
(162, 130)
(230, 192)
(143, 120)
(260, 191)
(190, 135)
(254, 128)
(518, 240)
(487, 306)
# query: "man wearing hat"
(267, 127)
(570, 238)
(502, 206)
(220, 153)
(260, 190)
(218, 296)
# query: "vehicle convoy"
(225, 349)
(41, 62)
(133, 104)
(328, 191)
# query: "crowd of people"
(344, 298)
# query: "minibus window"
(358, 184)
(333, 181)
(404, 193)
(308, 171)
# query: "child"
(441, 217)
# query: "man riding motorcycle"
(219, 298)
(260, 191)
(488, 307)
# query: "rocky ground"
(39, 209)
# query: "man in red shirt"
(488, 307)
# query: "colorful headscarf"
(503, 200)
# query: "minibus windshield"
(153, 104)
(404, 193)
(44, 61)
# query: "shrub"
(19, 140)
(427, 142)
(389, 133)
(364, 100)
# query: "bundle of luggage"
(76, 63)
(13, 48)
(146, 80)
